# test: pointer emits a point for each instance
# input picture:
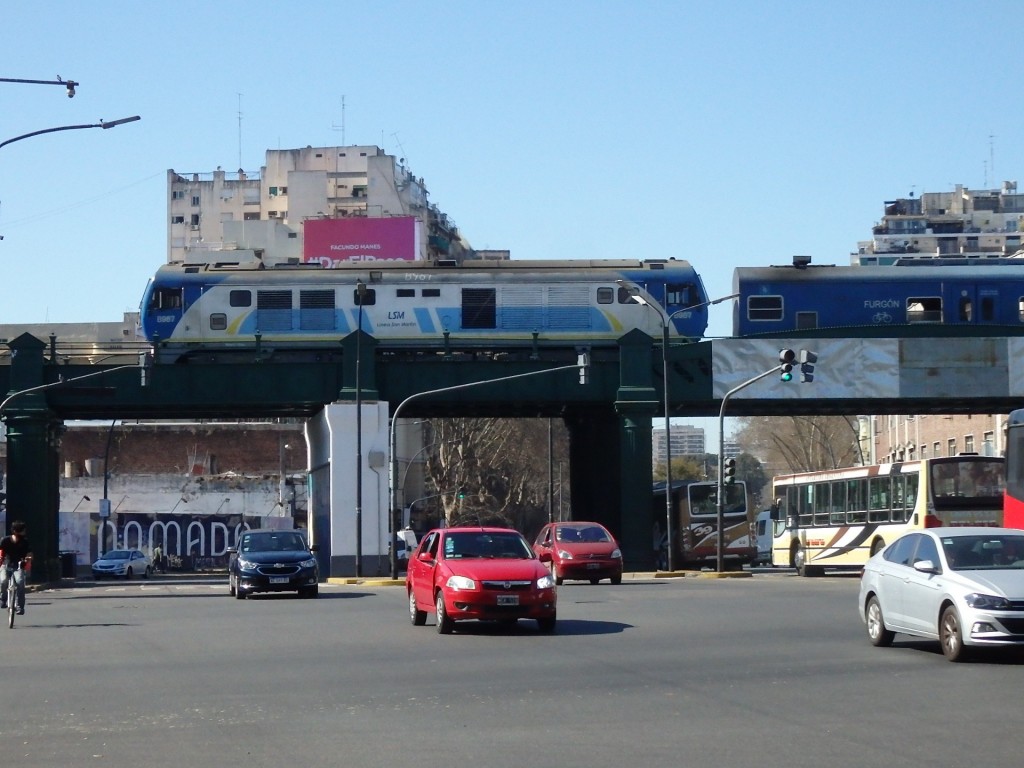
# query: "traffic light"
(729, 471)
(807, 361)
(786, 359)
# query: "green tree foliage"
(683, 468)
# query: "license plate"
(593, 566)
(508, 599)
(278, 579)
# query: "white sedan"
(961, 586)
(122, 562)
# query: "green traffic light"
(787, 376)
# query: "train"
(911, 298)
(191, 310)
(223, 307)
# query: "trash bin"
(68, 565)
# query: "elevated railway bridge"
(608, 418)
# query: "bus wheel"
(877, 546)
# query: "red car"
(580, 551)
(490, 574)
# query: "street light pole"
(581, 365)
(69, 84)
(665, 319)
(720, 509)
(360, 293)
(100, 124)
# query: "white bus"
(839, 518)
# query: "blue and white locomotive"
(940, 297)
(202, 308)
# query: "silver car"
(961, 586)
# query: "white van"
(763, 534)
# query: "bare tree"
(495, 471)
(801, 443)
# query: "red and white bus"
(839, 518)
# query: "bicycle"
(12, 592)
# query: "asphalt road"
(772, 669)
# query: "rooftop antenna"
(341, 127)
(239, 131)
(400, 147)
(991, 157)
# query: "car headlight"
(545, 582)
(616, 554)
(246, 565)
(311, 563)
(460, 582)
(565, 554)
(987, 602)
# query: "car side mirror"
(315, 548)
(545, 557)
(925, 566)
(232, 550)
(426, 557)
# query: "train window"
(240, 299)
(626, 295)
(806, 320)
(1020, 309)
(431, 293)
(218, 321)
(369, 297)
(605, 295)
(406, 293)
(478, 308)
(988, 309)
(764, 307)
(166, 298)
(927, 309)
(680, 295)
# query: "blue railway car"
(944, 298)
(191, 309)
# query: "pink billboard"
(359, 239)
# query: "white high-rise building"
(687, 440)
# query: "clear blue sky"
(735, 133)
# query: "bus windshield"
(967, 481)
(704, 499)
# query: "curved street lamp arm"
(101, 124)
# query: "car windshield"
(966, 553)
(587, 533)
(482, 544)
(284, 541)
(117, 554)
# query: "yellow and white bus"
(839, 518)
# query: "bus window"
(856, 506)
(878, 500)
(821, 503)
(837, 511)
(805, 505)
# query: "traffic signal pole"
(720, 553)
(787, 358)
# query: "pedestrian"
(158, 558)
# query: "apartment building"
(962, 223)
(268, 212)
